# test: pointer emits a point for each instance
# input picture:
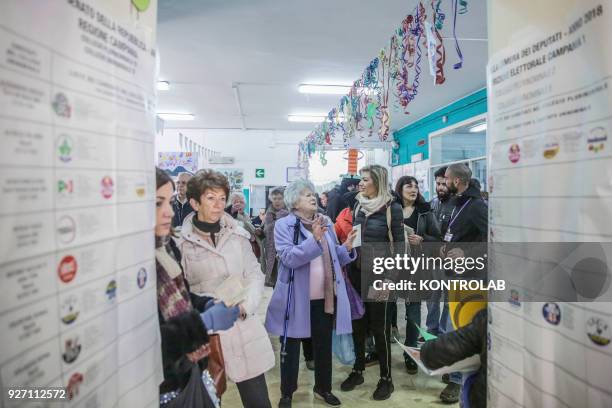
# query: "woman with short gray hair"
(310, 298)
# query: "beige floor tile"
(418, 391)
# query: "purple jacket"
(298, 257)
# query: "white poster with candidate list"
(77, 269)
(550, 123)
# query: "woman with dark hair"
(183, 328)
(380, 218)
(420, 225)
(219, 263)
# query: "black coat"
(455, 346)
(375, 229)
(472, 223)
(336, 201)
(180, 335)
(180, 212)
(427, 224)
(442, 210)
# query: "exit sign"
(260, 173)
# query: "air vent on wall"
(221, 160)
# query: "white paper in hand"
(466, 365)
(357, 240)
(231, 291)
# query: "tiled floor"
(413, 391)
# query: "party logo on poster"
(61, 106)
(67, 268)
(551, 150)
(72, 349)
(598, 331)
(597, 140)
(514, 154)
(66, 229)
(72, 388)
(107, 187)
(514, 298)
(64, 148)
(552, 313)
(141, 278)
(69, 309)
(141, 5)
(141, 189)
(65, 187)
(111, 290)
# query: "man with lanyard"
(467, 226)
(442, 205)
(180, 204)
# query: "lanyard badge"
(448, 237)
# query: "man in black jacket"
(442, 205)
(466, 227)
(335, 200)
(458, 345)
(469, 219)
(180, 203)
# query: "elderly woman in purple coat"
(318, 299)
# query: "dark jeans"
(377, 320)
(307, 349)
(321, 326)
(393, 314)
(413, 319)
(254, 392)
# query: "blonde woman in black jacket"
(380, 218)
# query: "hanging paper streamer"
(397, 70)
(438, 18)
(417, 31)
(459, 64)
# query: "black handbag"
(194, 395)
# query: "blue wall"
(408, 137)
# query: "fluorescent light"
(324, 89)
(176, 116)
(307, 118)
(479, 127)
(163, 85)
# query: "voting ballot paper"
(231, 291)
(357, 240)
(466, 365)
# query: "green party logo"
(65, 186)
(64, 148)
(141, 5)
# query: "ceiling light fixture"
(176, 116)
(163, 85)
(311, 118)
(324, 89)
(306, 118)
(479, 127)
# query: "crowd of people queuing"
(213, 262)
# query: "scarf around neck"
(372, 205)
(329, 288)
(208, 227)
(172, 295)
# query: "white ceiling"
(269, 47)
